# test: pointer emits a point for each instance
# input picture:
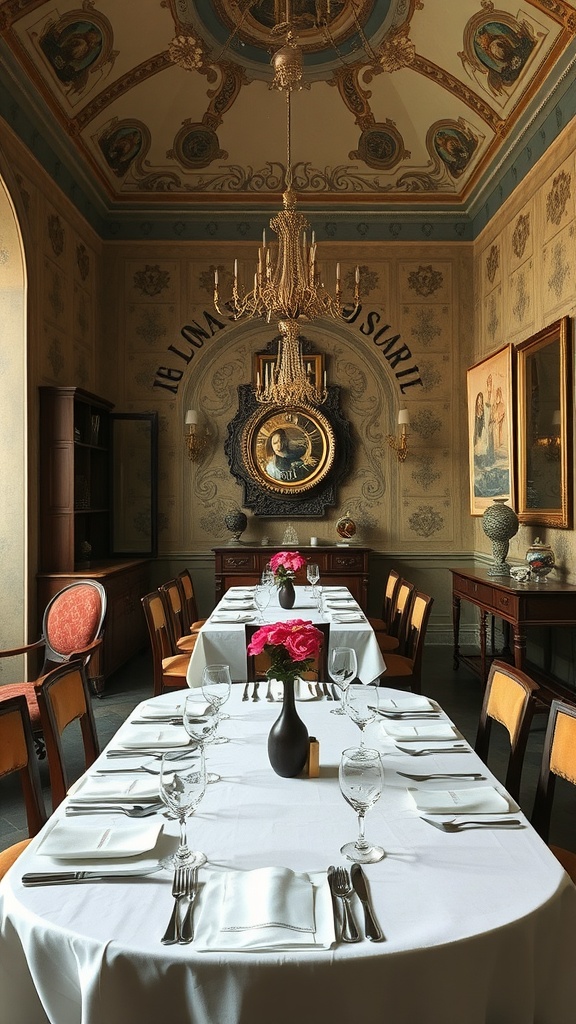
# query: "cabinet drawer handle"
(504, 601)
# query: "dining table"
(477, 924)
(221, 638)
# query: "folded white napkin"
(415, 702)
(155, 736)
(72, 841)
(157, 710)
(231, 616)
(236, 606)
(268, 908)
(342, 616)
(426, 731)
(93, 788)
(476, 800)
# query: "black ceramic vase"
(288, 739)
(286, 594)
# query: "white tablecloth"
(479, 926)
(224, 641)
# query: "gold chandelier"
(287, 283)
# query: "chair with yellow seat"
(383, 624)
(394, 641)
(17, 755)
(558, 760)
(407, 668)
(183, 638)
(64, 697)
(508, 699)
(190, 608)
(169, 669)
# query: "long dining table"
(221, 638)
(478, 925)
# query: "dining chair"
(558, 759)
(407, 668)
(182, 637)
(384, 622)
(258, 664)
(169, 669)
(17, 755)
(508, 699)
(394, 641)
(72, 627)
(193, 622)
(64, 697)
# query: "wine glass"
(216, 685)
(267, 577)
(313, 574)
(182, 786)
(361, 777)
(361, 704)
(262, 597)
(201, 721)
(342, 668)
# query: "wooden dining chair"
(258, 664)
(17, 755)
(64, 697)
(169, 670)
(508, 699)
(558, 760)
(395, 639)
(384, 622)
(72, 628)
(407, 668)
(190, 608)
(182, 637)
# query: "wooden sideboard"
(241, 565)
(520, 606)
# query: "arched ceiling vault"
(409, 105)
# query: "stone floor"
(458, 692)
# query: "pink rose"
(290, 561)
(303, 642)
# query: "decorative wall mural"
(76, 46)
(497, 46)
(196, 145)
(381, 146)
(454, 145)
(520, 235)
(121, 143)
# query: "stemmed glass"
(313, 574)
(182, 786)
(361, 704)
(342, 669)
(361, 777)
(262, 597)
(267, 577)
(201, 721)
(216, 685)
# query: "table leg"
(456, 630)
(483, 673)
(519, 642)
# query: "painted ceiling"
(407, 105)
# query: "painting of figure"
(490, 430)
(503, 51)
(72, 50)
(454, 149)
(121, 146)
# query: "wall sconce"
(400, 444)
(196, 441)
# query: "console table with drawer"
(242, 565)
(520, 606)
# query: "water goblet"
(262, 597)
(312, 574)
(200, 721)
(267, 577)
(361, 777)
(342, 669)
(182, 786)
(216, 686)
(361, 705)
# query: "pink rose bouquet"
(285, 565)
(292, 646)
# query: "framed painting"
(491, 430)
(264, 363)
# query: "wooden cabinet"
(242, 565)
(76, 518)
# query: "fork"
(255, 692)
(473, 776)
(457, 749)
(134, 811)
(269, 694)
(172, 933)
(327, 693)
(187, 928)
(462, 826)
(342, 887)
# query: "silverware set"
(343, 887)
(130, 810)
(255, 694)
(184, 890)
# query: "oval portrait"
(288, 450)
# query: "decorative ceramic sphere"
(540, 559)
(236, 522)
(499, 523)
(346, 527)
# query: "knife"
(371, 926)
(66, 877)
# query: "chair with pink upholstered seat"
(71, 628)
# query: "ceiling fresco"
(407, 104)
